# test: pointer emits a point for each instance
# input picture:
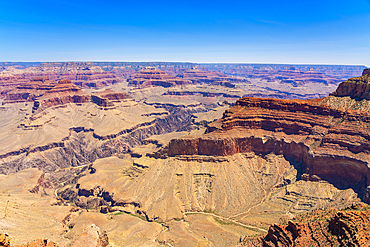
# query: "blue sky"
(313, 32)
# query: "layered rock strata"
(45, 93)
(330, 141)
(85, 75)
(211, 77)
(154, 77)
(347, 227)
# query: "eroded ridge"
(330, 141)
(346, 227)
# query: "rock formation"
(346, 227)
(154, 77)
(4, 240)
(357, 88)
(38, 243)
(85, 75)
(45, 93)
(211, 77)
(264, 159)
(328, 136)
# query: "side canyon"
(173, 154)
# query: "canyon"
(180, 154)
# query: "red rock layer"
(5, 241)
(39, 243)
(45, 93)
(292, 75)
(348, 227)
(81, 74)
(107, 97)
(331, 144)
(155, 77)
(210, 77)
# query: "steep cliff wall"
(333, 144)
(154, 77)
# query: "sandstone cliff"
(357, 88)
(45, 93)
(83, 74)
(346, 227)
(328, 136)
(211, 77)
(154, 77)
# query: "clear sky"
(291, 31)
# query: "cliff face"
(85, 75)
(331, 143)
(347, 227)
(211, 77)
(45, 93)
(155, 77)
(357, 88)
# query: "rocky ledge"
(347, 227)
(328, 136)
(155, 77)
(45, 93)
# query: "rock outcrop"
(357, 88)
(330, 141)
(45, 93)
(85, 75)
(211, 77)
(4, 240)
(92, 236)
(347, 227)
(39, 243)
(154, 77)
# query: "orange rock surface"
(330, 141)
(155, 77)
(82, 74)
(45, 93)
(5, 242)
(348, 227)
(210, 77)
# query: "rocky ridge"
(211, 77)
(186, 198)
(83, 74)
(347, 227)
(154, 77)
(331, 142)
(45, 93)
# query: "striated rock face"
(45, 93)
(295, 75)
(347, 227)
(85, 75)
(357, 88)
(211, 77)
(106, 98)
(155, 77)
(330, 141)
(62, 93)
